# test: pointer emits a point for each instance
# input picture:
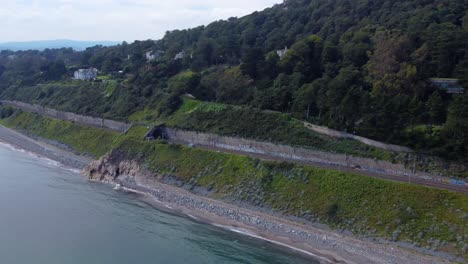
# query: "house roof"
(450, 85)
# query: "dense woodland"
(361, 66)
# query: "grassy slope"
(342, 200)
(251, 123)
(230, 120)
(83, 139)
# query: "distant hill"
(53, 44)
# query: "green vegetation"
(228, 120)
(359, 66)
(110, 87)
(343, 200)
(183, 82)
(83, 139)
(110, 99)
(6, 111)
(104, 77)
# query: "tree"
(206, 53)
(304, 57)
(390, 67)
(169, 104)
(228, 85)
(343, 97)
(251, 62)
(330, 53)
(462, 70)
(447, 39)
(465, 21)
(54, 70)
(356, 54)
(270, 67)
(184, 82)
(436, 108)
(455, 130)
(415, 110)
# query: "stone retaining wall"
(243, 145)
(284, 151)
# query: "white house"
(153, 55)
(86, 74)
(282, 52)
(150, 56)
(179, 55)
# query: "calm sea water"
(52, 215)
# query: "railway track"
(385, 176)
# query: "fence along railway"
(265, 150)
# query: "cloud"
(113, 19)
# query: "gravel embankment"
(325, 245)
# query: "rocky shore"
(316, 242)
(322, 244)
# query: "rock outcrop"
(110, 168)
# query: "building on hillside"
(150, 56)
(282, 52)
(154, 55)
(179, 55)
(86, 74)
(450, 86)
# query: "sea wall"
(71, 117)
(283, 151)
(293, 193)
(297, 154)
(242, 145)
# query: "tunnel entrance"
(156, 132)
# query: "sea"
(51, 214)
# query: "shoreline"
(43, 149)
(150, 199)
(226, 224)
(330, 246)
(322, 245)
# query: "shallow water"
(50, 214)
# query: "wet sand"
(43, 149)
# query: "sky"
(117, 20)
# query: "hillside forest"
(361, 66)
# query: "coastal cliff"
(108, 169)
